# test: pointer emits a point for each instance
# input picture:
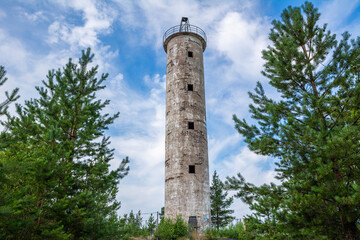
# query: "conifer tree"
(75, 195)
(151, 224)
(313, 131)
(220, 203)
(162, 213)
(9, 97)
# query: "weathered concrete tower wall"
(186, 161)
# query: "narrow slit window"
(191, 168)
(190, 54)
(190, 125)
(190, 87)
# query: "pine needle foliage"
(10, 97)
(220, 203)
(313, 131)
(58, 144)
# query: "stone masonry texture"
(186, 194)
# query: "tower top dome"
(184, 29)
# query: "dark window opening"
(191, 125)
(190, 54)
(191, 168)
(192, 221)
(190, 87)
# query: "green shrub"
(165, 229)
(235, 231)
(131, 226)
(170, 230)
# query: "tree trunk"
(351, 231)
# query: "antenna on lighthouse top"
(184, 29)
(184, 24)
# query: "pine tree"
(76, 191)
(220, 203)
(162, 213)
(9, 97)
(25, 179)
(151, 224)
(313, 131)
(133, 224)
(138, 219)
(9, 200)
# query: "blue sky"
(126, 37)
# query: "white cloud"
(97, 17)
(13, 53)
(154, 17)
(341, 16)
(56, 30)
(141, 136)
(216, 146)
(26, 66)
(336, 12)
(36, 16)
(147, 198)
(251, 167)
(241, 40)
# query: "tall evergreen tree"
(151, 224)
(313, 131)
(220, 203)
(13, 96)
(76, 191)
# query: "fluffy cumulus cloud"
(140, 133)
(97, 18)
(241, 40)
(65, 38)
(25, 68)
(13, 52)
(250, 165)
(155, 16)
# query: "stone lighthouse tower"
(187, 191)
